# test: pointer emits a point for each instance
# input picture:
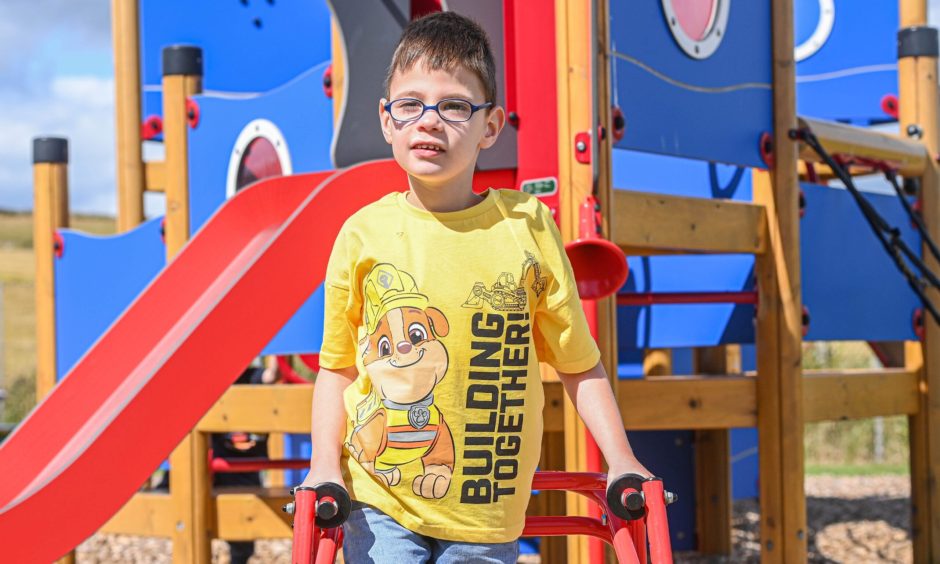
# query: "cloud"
(80, 108)
(55, 80)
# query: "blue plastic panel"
(684, 325)
(96, 279)
(646, 172)
(850, 284)
(304, 116)
(713, 109)
(855, 67)
(248, 46)
(299, 109)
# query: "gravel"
(851, 519)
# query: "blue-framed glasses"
(454, 110)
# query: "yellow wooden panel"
(155, 175)
(246, 514)
(277, 408)
(689, 402)
(146, 514)
(649, 222)
(909, 157)
(855, 394)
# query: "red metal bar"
(556, 526)
(658, 529)
(305, 527)
(660, 298)
(624, 548)
(256, 464)
(330, 542)
(638, 532)
(553, 480)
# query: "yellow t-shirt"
(447, 316)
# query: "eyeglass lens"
(450, 110)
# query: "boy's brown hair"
(444, 41)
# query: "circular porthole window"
(698, 26)
(260, 152)
(824, 20)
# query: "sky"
(57, 78)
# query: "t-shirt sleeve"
(342, 309)
(561, 333)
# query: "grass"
(858, 470)
(17, 292)
(16, 229)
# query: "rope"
(889, 236)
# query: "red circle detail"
(328, 81)
(192, 113)
(889, 105)
(58, 244)
(919, 324)
(259, 161)
(695, 16)
(767, 149)
(619, 123)
(151, 127)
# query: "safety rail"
(633, 515)
(864, 146)
(663, 224)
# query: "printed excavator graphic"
(505, 295)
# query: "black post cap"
(50, 150)
(917, 41)
(182, 60)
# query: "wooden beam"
(713, 462)
(50, 212)
(146, 514)
(909, 157)
(576, 90)
(189, 480)
(251, 513)
(858, 394)
(786, 253)
(155, 175)
(918, 434)
(276, 408)
(918, 94)
(125, 18)
(655, 221)
(688, 402)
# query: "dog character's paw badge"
(418, 416)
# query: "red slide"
(84, 451)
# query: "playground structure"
(583, 128)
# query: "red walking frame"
(318, 514)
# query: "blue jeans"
(371, 536)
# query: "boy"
(431, 342)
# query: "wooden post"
(576, 58)
(713, 462)
(50, 212)
(917, 93)
(129, 159)
(783, 515)
(190, 488)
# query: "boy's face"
(433, 151)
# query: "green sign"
(541, 186)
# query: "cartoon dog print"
(398, 422)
